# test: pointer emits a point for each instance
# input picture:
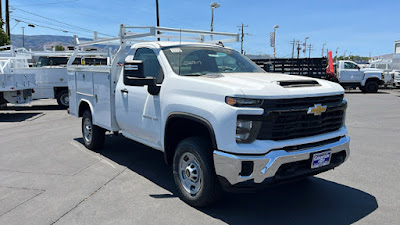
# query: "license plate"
(320, 159)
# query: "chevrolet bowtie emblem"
(317, 109)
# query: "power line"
(52, 28)
(48, 3)
(47, 18)
(47, 23)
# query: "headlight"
(243, 102)
(247, 130)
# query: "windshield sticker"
(219, 54)
(175, 50)
(185, 63)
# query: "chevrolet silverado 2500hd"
(221, 121)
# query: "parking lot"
(47, 176)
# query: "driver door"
(138, 112)
(351, 73)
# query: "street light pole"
(23, 37)
(305, 46)
(275, 27)
(213, 6)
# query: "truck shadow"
(362, 93)
(35, 108)
(313, 200)
(16, 117)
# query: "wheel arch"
(181, 125)
(57, 90)
(83, 106)
(375, 78)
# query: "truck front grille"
(288, 119)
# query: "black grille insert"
(288, 119)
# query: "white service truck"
(51, 73)
(15, 87)
(388, 70)
(351, 75)
(222, 122)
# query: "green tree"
(4, 40)
(60, 48)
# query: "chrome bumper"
(229, 165)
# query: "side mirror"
(134, 74)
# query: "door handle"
(124, 90)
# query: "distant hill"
(36, 42)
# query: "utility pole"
(323, 46)
(309, 50)
(158, 18)
(294, 42)
(241, 28)
(275, 27)
(298, 49)
(336, 53)
(344, 54)
(1, 12)
(8, 20)
(23, 37)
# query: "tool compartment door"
(73, 107)
(102, 99)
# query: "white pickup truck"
(351, 75)
(15, 87)
(222, 122)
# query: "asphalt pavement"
(47, 176)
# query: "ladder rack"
(128, 38)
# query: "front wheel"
(93, 136)
(194, 172)
(371, 87)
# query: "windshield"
(200, 60)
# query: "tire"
(194, 172)
(371, 87)
(93, 136)
(63, 98)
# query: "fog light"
(247, 168)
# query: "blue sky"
(360, 27)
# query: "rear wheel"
(93, 136)
(194, 172)
(371, 87)
(63, 98)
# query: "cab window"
(151, 66)
(349, 65)
(381, 66)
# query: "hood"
(273, 85)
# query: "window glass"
(372, 66)
(381, 66)
(151, 66)
(192, 60)
(349, 65)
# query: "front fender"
(371, 75)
